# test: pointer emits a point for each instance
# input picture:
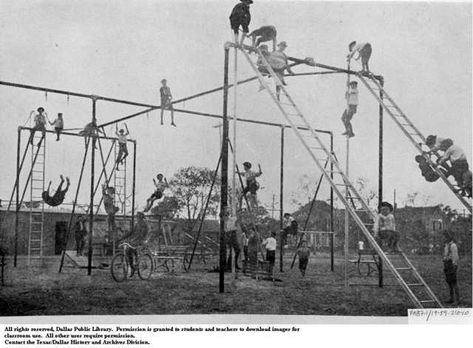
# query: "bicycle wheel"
(145, 266)
(119, 267)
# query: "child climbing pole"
(58, 196)
(122, 143)
(264, 34)
(58, 124)
(166, 101)
(241, 16)
(351, 96)
(252, 185)
(108, 194)
(364, 52)
(158, 193)
(39, 125)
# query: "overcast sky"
(123, 49)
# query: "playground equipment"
(419, 292)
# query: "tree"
(190, 187)
(167, 208)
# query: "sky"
(123, 49)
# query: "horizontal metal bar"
(77, 135)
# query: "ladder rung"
(415, 284)
(403, 268)
(426, 301)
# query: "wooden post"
(17, 188)
(347, 216)
(331, 207)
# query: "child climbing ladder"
(123, 150)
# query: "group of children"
(451, 161)
(39, 124)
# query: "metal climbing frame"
(417, 290)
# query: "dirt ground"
(44, 291)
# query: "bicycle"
(120, 267)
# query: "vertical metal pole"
(331, 207)
(17, 187)
(347, 217)
(234, 123)
(133, 189)
(92, 179)
(281, 202)
(224, 175)
(380, 171)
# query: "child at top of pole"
(166, 101)
(58, 124)
(122, 143)
(39, 125)
(364, 52)
(351, 95)
(240, 16)
(264, 34)
(279, 62)
(160, 185)
(252, 185)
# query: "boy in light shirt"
(270, 244)
(351, 96)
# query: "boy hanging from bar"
(240, 16)
(122, 145)
(108, 194)
(58, 196)
(252, 185)
(158, 193)
(364, 52)
(58, 124)
(39, 125)
(351, 95)
(166, 101)
(91, 130)
(264, 34)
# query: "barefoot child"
(263, 34)
(364, 52)
(252, 185)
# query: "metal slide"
(419, 292)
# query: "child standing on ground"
(303, 252)
(58, 124)
(166, 101)
(351, 95)
(364, 52)
(450, 266)
(122, 143)
(240, 16)
(270, 245)
(385, 228)
(158, 193)
(253, 251)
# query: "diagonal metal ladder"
(402, 269)
(36, 223)
(408, 128)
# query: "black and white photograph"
(235, 159)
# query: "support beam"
(380, 171)
(77, 135)
(17, 189)
(331, 208)
(92, 188)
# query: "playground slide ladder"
(36, 225)
(408, 128)
(119, 182)
(319, 152)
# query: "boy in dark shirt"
(241, 16)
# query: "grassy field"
(43, 291)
